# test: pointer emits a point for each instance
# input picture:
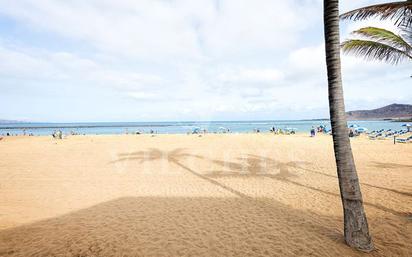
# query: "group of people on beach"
(57, 134)
(319, 129)
(8, 134)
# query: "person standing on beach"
(312, 132)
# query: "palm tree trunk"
(356, 229)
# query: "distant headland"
(393, 112)
(10, 121)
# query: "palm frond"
(400, 12)
(372, 50)
(384, 36)
(407, 34)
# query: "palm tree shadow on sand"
(376, 165)
(175, 157)
(194, 226)
(259, 166)
(246, 167)
(256, 166)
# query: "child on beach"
(312, 132)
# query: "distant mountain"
(9, 121)
(393, 111)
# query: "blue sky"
(148, 60)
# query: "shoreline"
(184, 128)
(169, 134)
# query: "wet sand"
(185, 195)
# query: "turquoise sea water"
(179, 127)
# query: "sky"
(166, 60)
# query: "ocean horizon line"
(3, 121)
(108, 124)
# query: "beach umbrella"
(196, 130)
(408, 126)
(361, 129)
(223, 129)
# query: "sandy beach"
(185, 195)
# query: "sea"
(102, 128)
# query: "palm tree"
(400, 12)
(379, 44)
(356, 231)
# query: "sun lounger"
(404, 140)
(375, 136)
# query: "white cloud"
(204, 59)
(144, 96)
(310, 59)
(17, 63)
(348, 5)
(186, 29)
(30, 64)
(251, 75)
